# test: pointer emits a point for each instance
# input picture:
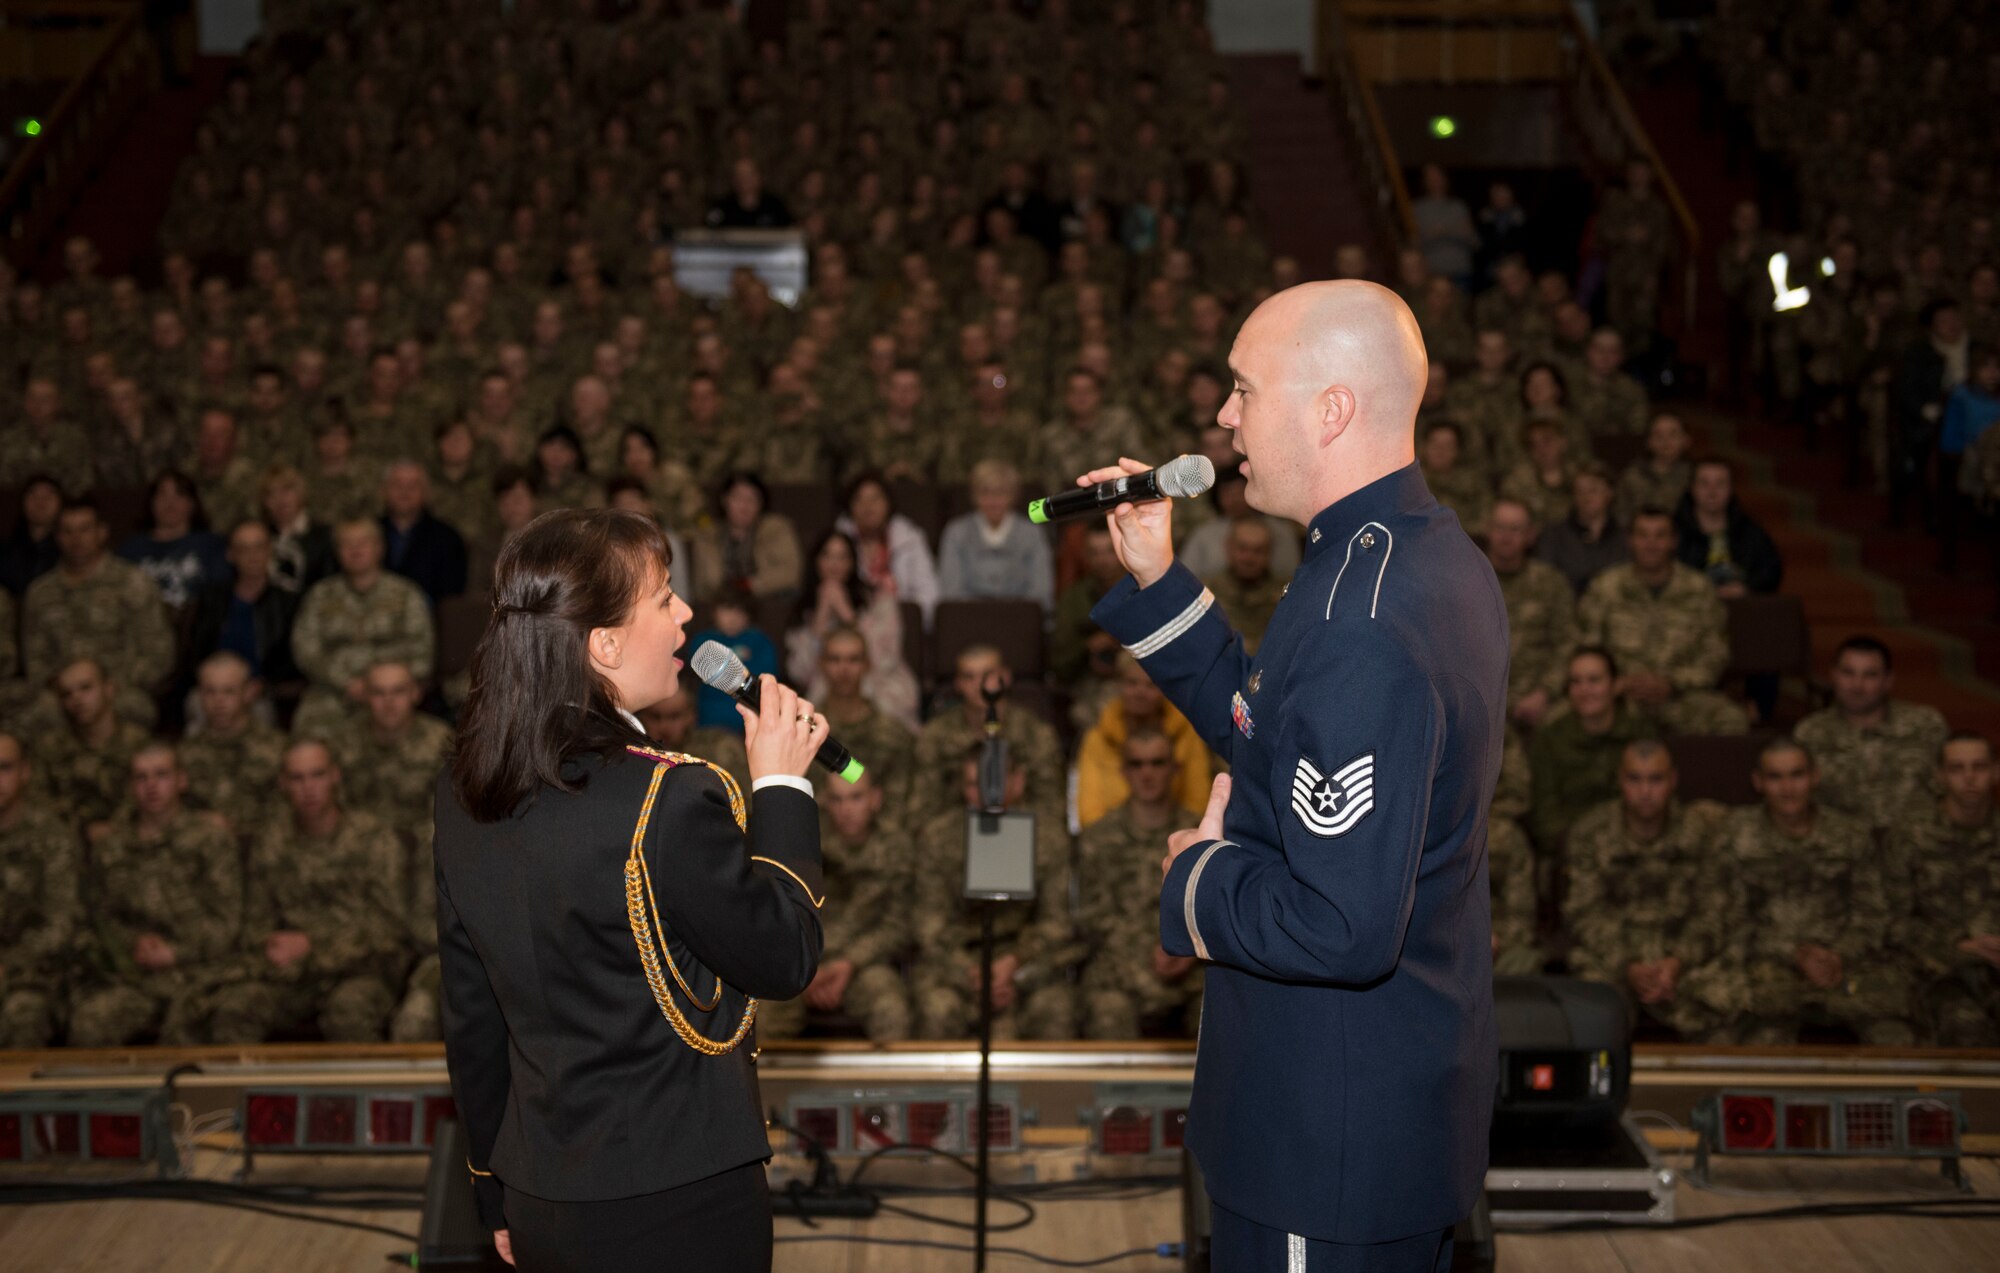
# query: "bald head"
(1328, 380)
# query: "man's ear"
(1336, 407)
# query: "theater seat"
(1717, 766)
(1014, 626)
(1768, 636)
(809, 505)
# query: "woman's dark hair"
(642, 433)
(567, 436)
(742, 477)
(533, 688)
(859, 594)
(197, 520)
(509, 476)
(1555, 374)
(1597, 652)
(868, 477)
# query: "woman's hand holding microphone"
(783, 734)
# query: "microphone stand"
(992, 801)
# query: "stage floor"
(179, 1237)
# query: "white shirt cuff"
(782, 780)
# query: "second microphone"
(720, 669)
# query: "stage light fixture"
(1771, 1123)
(315, 1120)
(113, 1125)
(1135, 1120)
(848, 1121)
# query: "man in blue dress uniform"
(1345, 1078)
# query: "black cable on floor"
(135, 1195)
(1165, 1251)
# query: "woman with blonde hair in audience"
(837, 597)
(301, 544)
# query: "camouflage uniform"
(1547, 504)
(343, 890)
(725, 749)
(1828, 888)
(1247, 606)
(1952, 874)
(866, 921)
(1511, 869)
(183, 882)
(1118, 862)
(938, 771)
(1038, 933)
(1680, 634)
(1575, 769)
(1640, 901)
(1067, 451)
(885, 745)
(1541, 629)
(231, 496)
(87, 783)
(1874, 773)
(1643, 486)
(342, 631)
(1485, 411)
(1466, 492)
(63, 453)
(234, 776)
(1609, 406)
(393, 780)
(38, 915)
(1632, 269)
(113, 615)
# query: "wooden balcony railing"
(113, 67)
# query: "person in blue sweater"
(735, 629)
(1970, 411)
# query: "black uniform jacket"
(571, 1082)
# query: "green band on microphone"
(1038, 512)
(853, 771)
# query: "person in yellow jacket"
(1100, 785)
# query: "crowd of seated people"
(1880, 180)
(418, 285)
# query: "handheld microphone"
(1176, 479)
(720, 669)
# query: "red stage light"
(875, 1126)
(10, 1137)
(1542, 1078)
(1930, 1125)
(56, 1136)
(928, 1121)
(1871, 1124)
(330, 1120)
(117, 1136)
(1808, 1126)
(436, 1110)
(391, 1122)
(999, 1127)
(1749, 1122)
(819, 1125)
(270, 1119)
(1125, 1130)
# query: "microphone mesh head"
(1185, 476)
(718, 668)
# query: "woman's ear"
(607, 648)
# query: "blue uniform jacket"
(1345, 1075)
